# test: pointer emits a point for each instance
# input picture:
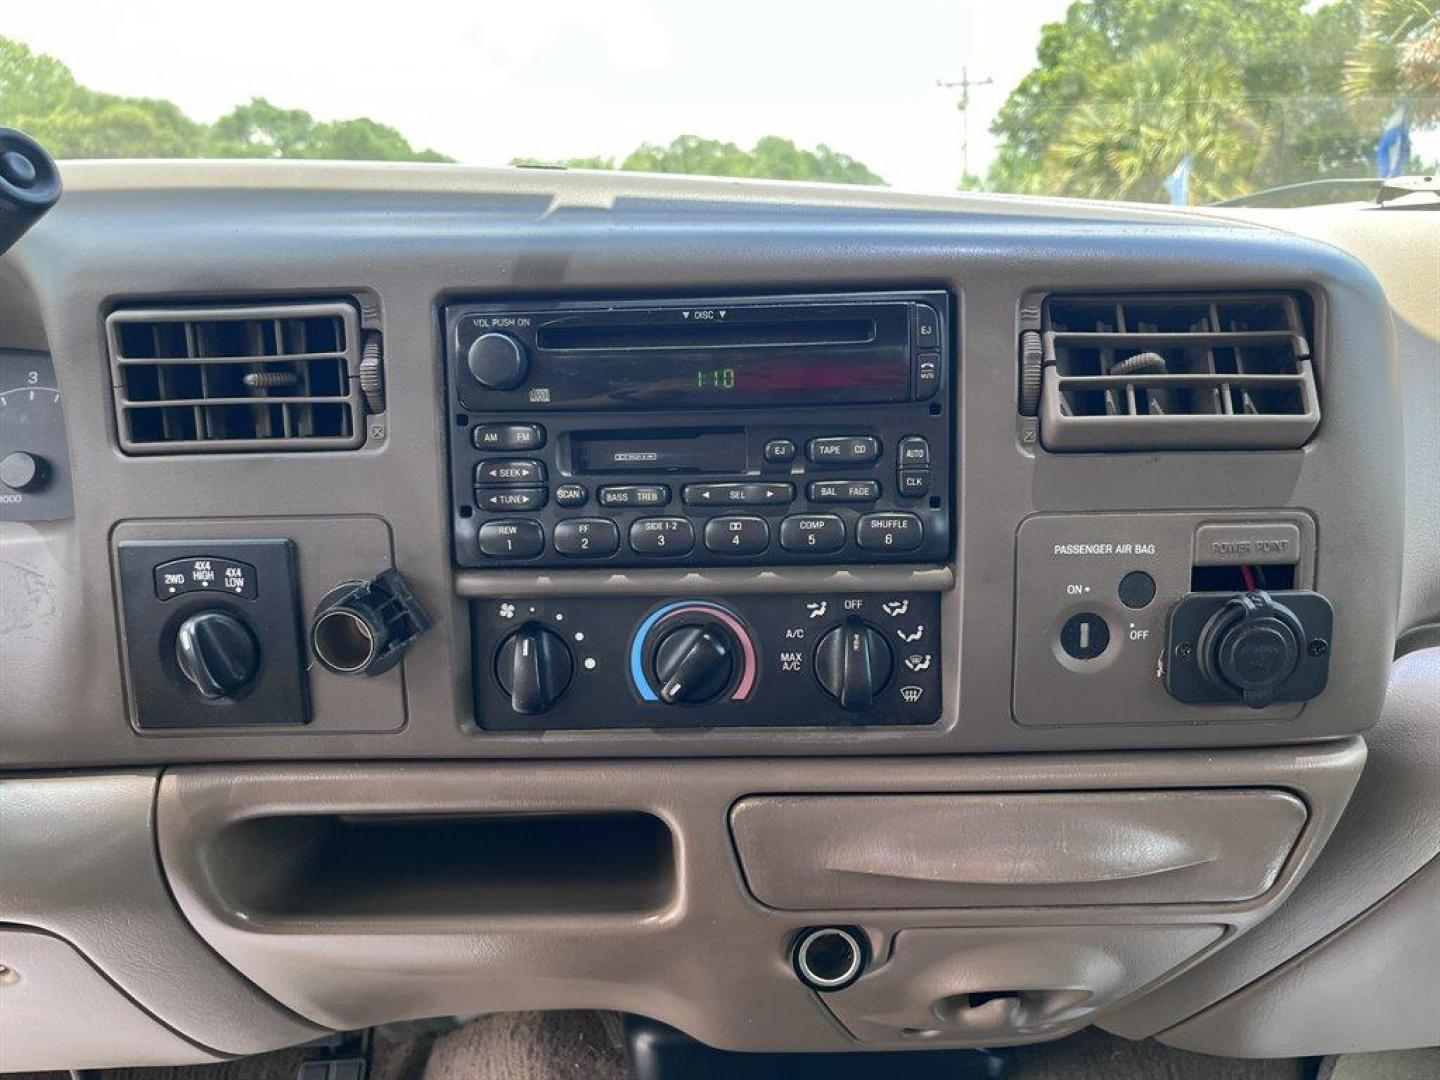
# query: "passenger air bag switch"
(1085, 636)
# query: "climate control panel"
(768, 660)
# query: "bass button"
(817, 534)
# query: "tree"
(39, 95)
(1271, 68)
(1398, 57)
(772, 158)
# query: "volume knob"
(498, 361)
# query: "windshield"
(1171, 101)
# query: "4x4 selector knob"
(694, 663)
(498, 361)
(853, 663)
(217, 653)
(534, 666)
(1252, 645)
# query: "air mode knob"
(693, 664)
(217, 653)
(853, 663)
(1251, 645)
(534, 666)
(498, 361)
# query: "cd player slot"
(580, 336)
(718, 450)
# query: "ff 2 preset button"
(587, 538)
(513, 538)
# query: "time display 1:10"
(715, 379)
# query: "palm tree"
(1398, 57)
(1147, 114)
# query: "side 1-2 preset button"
(662, 536)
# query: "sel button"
(818, 534)
(587, 538)
(737, 535)
(889, 532)
(513, 538)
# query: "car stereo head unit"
(794, 429)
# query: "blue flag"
(1392, 152)
(1177, 184)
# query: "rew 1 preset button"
(818, 534)
(587, 538)
(737, 535)
(889, 532)
(662, 536)
(511, 538)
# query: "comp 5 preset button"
(818, 534)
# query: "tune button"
(508, 499)
(843, 450)
(571, 495)
(817, 534)
(737, 535)
(844, 491)
(587, 538)
(512, 538)
(662, 536)
(889, 532)
(510, 471)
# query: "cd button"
(737, 535)
(587, 538)
(662, 536)
(844, 491)
(889, 532)
(507, 437)
(913, 452)
(843, 450)
(780, 451)
(571, 495)
(818, 534)
(631, 495)
(510, 471)
(927, 374)
(515, 538)
(501, 500)
(914, 482)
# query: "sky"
(486, 81)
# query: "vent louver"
(267, 378)
(1176, 372)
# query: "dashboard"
(737, 547)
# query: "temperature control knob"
(217, 653)
(498, 361)
(534, 666)
(21, 471)
(693, 664)
(853, 663)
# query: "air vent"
(234, 379)
(1176, 372)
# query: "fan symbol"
(507, 611)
